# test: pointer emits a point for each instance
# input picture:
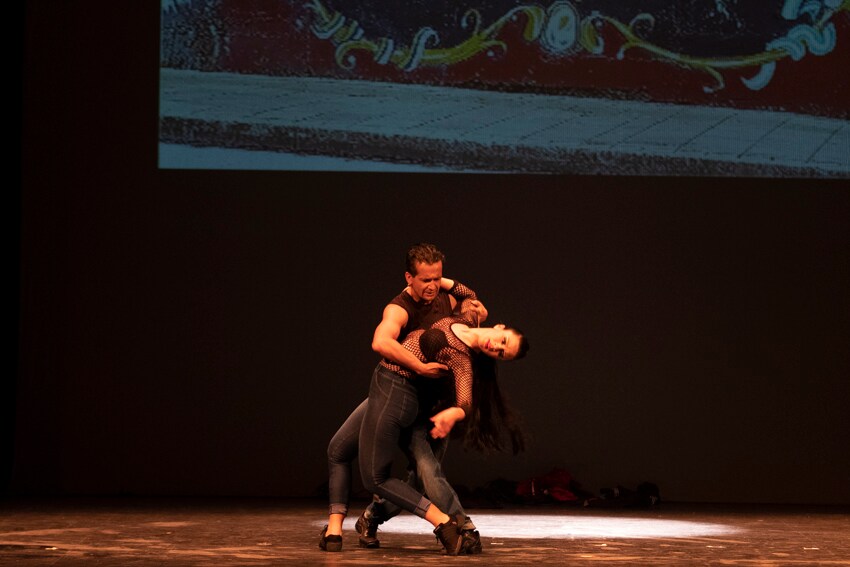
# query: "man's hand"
(433, 370)
(444, 421)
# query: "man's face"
(426, 283)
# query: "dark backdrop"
(204, 333)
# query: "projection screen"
(646, 87)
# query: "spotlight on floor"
(537, 526)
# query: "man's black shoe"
(471, 542)
(367, 532)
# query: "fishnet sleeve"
(461, 366)
(461, 292)
(464, 297)
(468, 313)
(451, 351)
(431, 342)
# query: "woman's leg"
(342, 450)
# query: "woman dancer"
(393, 405)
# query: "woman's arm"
(471, 307)
(461, 366)
(457, 289)
(473, 311)
(445, 420)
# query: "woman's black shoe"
(330, 542)
(448, 534)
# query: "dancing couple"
(429, 338)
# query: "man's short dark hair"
(424, 253)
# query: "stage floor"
(131, 532)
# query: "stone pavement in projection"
(473, 129)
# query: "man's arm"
(385, 342)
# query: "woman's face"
(498, 342)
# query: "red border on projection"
(665, 60)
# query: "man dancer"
(427, 298)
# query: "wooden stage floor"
(137, 532)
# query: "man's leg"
(392, 407)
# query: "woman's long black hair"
(491, 419)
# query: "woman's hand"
(444, 421)
(477, 309)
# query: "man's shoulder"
(403, 300)
(406, 300)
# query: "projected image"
(648, 87)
